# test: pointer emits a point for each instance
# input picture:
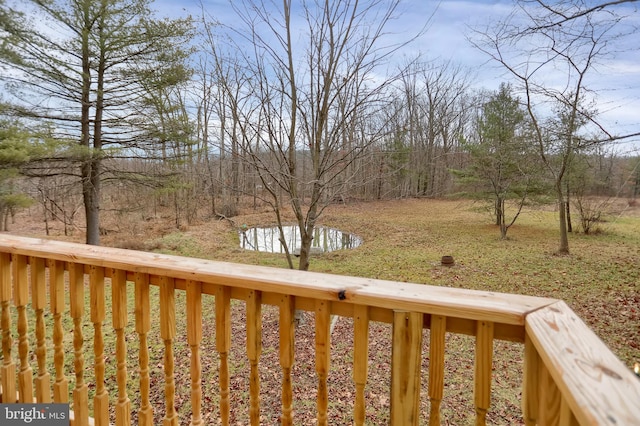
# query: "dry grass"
(404, 240)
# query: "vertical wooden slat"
(21, 299)
(360, 359)
(143, 325)
(39, 303)
(168, 334)
(287, 344)
(120, 320)
(98, 315)
(254, 348)
(436, 366)
(567, 418)
(81, 390)
(8, 366)
(223, 343)
(549, 409)
(194, 338)
(530, 385)
(323, 354)
(406, 365)
(483, 367)
(56, 299)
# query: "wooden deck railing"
(570, 376)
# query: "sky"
(450, 23)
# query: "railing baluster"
(120, 319)
(323, 354)
(360, 359)
(436, 366)
(549, 410)
(194, 338)
(406, 362)
(8, 366)
(223, 343)
(39, 303)
(168, 333)
(483, 367)
(254, 347)
(530, 385)
(21, 299)
(143, 325)
(287, 345)
(56, 299)
(81, 390)
(98, 315)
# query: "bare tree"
(312, 72)
(541, 41)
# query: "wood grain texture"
(287, 344)
(483, 369)
(254, 349)
(323, 357)
(360, 360)
(530, 384)
(454, 302)
(597, 386)
(406, 362)
(436, 367)
(223, 344)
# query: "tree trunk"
(89, 172)
(499, 211)
(568, 209)
(501, 214)
(4, 219)
(91, 196)
(564, 237)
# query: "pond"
(324, 239)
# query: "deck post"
(483, 368)
(360, 360)
(436, 366)
(406, 361)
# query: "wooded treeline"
(109, 109)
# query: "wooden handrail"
(570, 376)
(596, 387)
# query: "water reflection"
(324, 239)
